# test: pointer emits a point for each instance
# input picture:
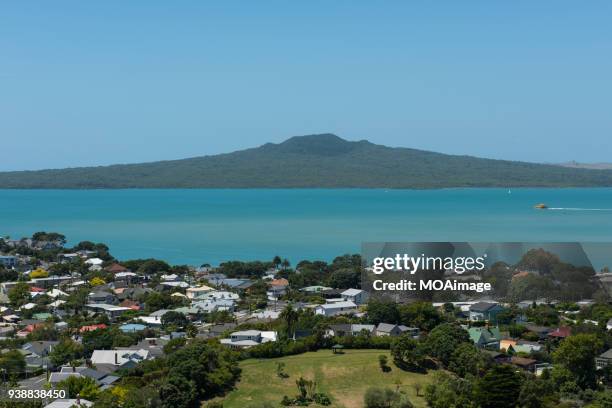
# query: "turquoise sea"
(199, 226)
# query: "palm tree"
(290, 316)
(276, 261)
(285, 264)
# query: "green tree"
(467, 359)
(385, 398)
(174, 319)
(498, 388)
(65, 351)
(446, 391)
(85, 387)
(12, 362)
(420, 314)
(290, 316)
(178, 392)
(538, 260)
(381, 311)
(577, 353)
(212, 368)
(536, 392)
(276, 261)
(153, 266)
(444, 340)
(19, 294)
(407, 352)
(345, 278)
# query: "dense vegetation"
(325, 161)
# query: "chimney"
(78, 400)
(73, 368)
(116, 359)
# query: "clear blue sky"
(88, 83)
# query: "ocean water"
(211, 226)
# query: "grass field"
(344, 377)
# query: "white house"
(336, 308)
(214, 305)
(119, 358)
(220, 294)
(69, 403)
(193, 293)
(94, 261)
(357, 296)
(111, 311)
(54, 293)
(249, 338)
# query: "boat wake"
(579, 209)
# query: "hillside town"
(74, 318)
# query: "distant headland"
(315, 161)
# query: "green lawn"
(344, 377)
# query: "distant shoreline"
(323, 161)
(504, 188)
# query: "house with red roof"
(131, 304)
(560, 332)
(279, 282)
(92, 327)
(29, 329)
(116, 268)
(277, 288)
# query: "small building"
(8, 261)
(111, 311)
(604, 359)
(541, 331)
(313, 290)
(232, 283)
(101, 297)
(388, 329)
(112, 360)
(55, 293)
(116, 268)
(37, 352)
(69, 403)
(519, 346)
(154, 345)
(485, 337)
(274, 293)
(94, 261)
(194, 293)
(496, 356)
(214, 305)
(357, 296)
(336, 308)
(342, 330)
(132, 327)
(485, 311)
(92, 327)
(527, 364)
(132, 304)
(249, 338)
(217, 330)
(101, 378)
(560, 332)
